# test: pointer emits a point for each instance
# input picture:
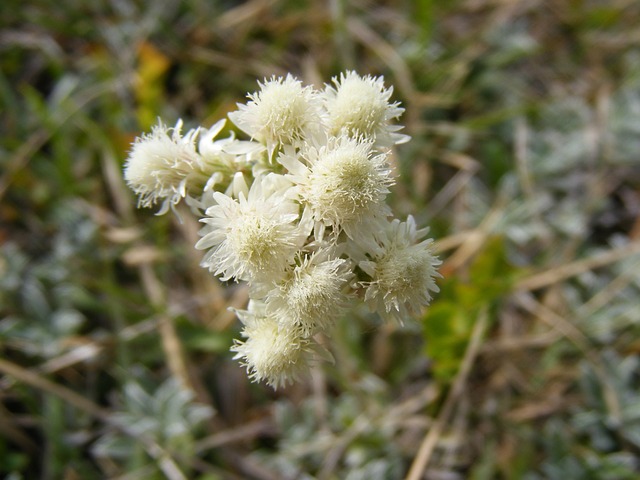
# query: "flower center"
(255, 240)
(282, 112)
(358, 108)
(402, 271)
(309, 294)
(344, 184)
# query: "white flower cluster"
(298, 212)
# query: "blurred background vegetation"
(524, 160)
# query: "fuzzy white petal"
(272, 354)
(313, 294)
(283, 111)
(360, 106)
(402, 270)
(159, 165)
(253, 238)
(344, 184)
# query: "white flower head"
(270, 353)
(253, 238)
(283, 111)
(360, 106)
(344, 183)
(402, 271)
(310, 232)
(160, 164)
(313, 295)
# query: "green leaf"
(449, 321)
(447, 328)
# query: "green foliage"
(525, 126)
(564, 459)
(447, 325)
(354, 426)
(44, 299)
(167, 416)
(611, 415)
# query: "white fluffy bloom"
(160, 165)
(276, 355)
(254, 237)
(165, 165)
(310, 232)
(344, 183)
(402, 271)
(313, 294)
(360, 106)
(283, 111)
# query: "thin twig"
(581, 341)
(568, 270)
(430, 440)
(608, 293)
(474, 241)
(170, 342)
(371, 39)
(241, 433)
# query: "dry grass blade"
(421, 460)
(242, 433)
(386, 52)
(170, 341)
(568, 270)
(568, 329)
